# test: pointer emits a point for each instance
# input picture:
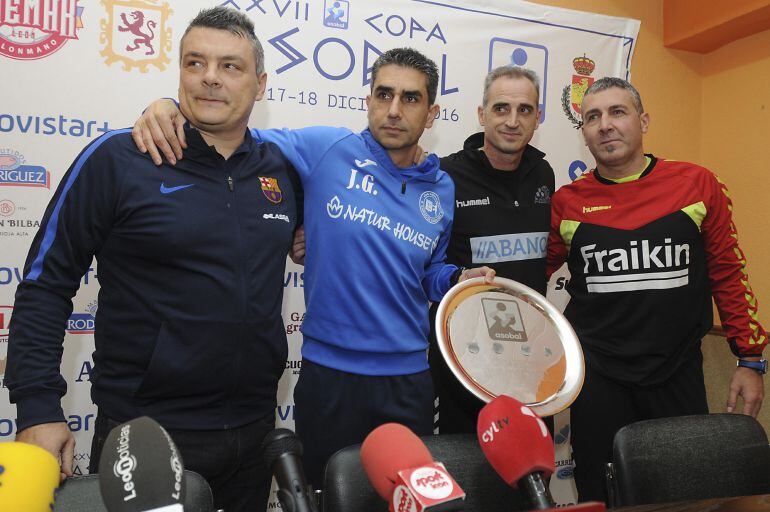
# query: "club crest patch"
(271, 189)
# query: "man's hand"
(56, 438)
(297, 251)
(469, 273)
(161, 130)
(748, 384)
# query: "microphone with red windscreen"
(517, 444)
(403, 472)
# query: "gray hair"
(235, 22)
(410, 58)
(510, 72)
(608, 82)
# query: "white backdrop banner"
(71, 70)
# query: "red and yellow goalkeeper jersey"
(645, 257)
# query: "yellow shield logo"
(135, 33)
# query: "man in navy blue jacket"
(191, 258)
(376, 231)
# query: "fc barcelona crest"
(136, 34)
(572, 95)
(271, 189)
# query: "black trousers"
(335, 409)
(456, 408)
(605, 406)
(229, 460)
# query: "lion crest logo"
(136, 34)
(135, 27)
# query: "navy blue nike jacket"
(191, 260)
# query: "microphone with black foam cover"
(29, 475)
(140, 469)
(519, 447)
(282, 451)
(403, 472)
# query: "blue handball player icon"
(336, 13)
(509, 52)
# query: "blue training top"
(376, 239)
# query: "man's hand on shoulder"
(160, 129)
(56, 438)
(749, 385)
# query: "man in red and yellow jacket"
(648, 243)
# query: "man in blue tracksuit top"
(191, 261)
(377, 227)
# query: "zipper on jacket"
(241, 266)
(403, 187)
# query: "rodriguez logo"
(34, 29)
(83, 323)
(135, 34)
(14, 173)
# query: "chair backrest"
(690, 457)
(82, 494)
(347, 488)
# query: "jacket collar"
(425, 171)
(530, 159)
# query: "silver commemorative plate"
(507, 339)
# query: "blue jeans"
(229, 460)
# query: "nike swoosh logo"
(168, 190)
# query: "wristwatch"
(760, 366)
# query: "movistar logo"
(168, 190)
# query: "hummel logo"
(168, 190)
(589, 209)
(365, 163)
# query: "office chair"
(689, 458)
(82, 494)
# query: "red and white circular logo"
(7, 208)
(403, 500)
(431, 482)
(34, 29)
